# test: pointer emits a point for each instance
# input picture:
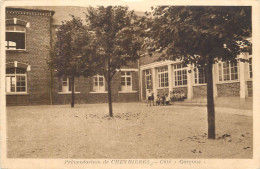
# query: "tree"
(201, 36)
(68, 59)
(115, 40)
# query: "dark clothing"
(163, 100)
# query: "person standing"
(167, 99)
(152, 99)
(149, 97)
(163, 99)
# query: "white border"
(210, 163)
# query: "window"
(228, 71)
(98, 83)
(180, 74)
(66, 84)
(250, 68)
(16, 80)
(15, 37)
(126, 81)
(163, 77)
(200, 76)
(148, 78)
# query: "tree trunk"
(72, 92)
(210, 103)
(109, 97)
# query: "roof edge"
(30, 10)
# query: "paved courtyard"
(136, 131)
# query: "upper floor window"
(227, 71)
(15, 37)
(126, 81)
(200, 76)
(163, 77)
(180, 74)
(250, 68)
(98, 83)
(15, 80)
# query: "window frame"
(99, 89)
(124, 76)
(229, 70)
(66, 92)
(250, 66)
(196, 75)
(162, 77)
(17, 31)
(148, 79)
(180, 69)
(15, 74)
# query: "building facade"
(30, 36)
(166, 77)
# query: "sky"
(137, 5)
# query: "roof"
(62, 13)
(22, 9)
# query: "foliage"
(115, 40)
(193, 33)
(68, 58)
(72, 37)
(201, 36)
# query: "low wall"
(228, 89)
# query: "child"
(158, 100)
(167, 99)
(178, 95)
(152, 99)
(163, 99)
(182, 95)
(174, 96)
(149, 98)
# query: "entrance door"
(148, 82)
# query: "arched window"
(16, 80)
(15, 37)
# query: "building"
(28, 38)
(166, 77)
(30, 35)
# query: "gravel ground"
(136, 131)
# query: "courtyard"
(135, 131)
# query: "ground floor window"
(66, 84)
(98, 83)
(250, 68)
(163, 77)
(180, 74)
(200, 76)
(148, 79)
(228, 71)
(126, 81)
(16, 80)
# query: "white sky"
(137, 5)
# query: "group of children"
(178, 96)
(165, 99)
